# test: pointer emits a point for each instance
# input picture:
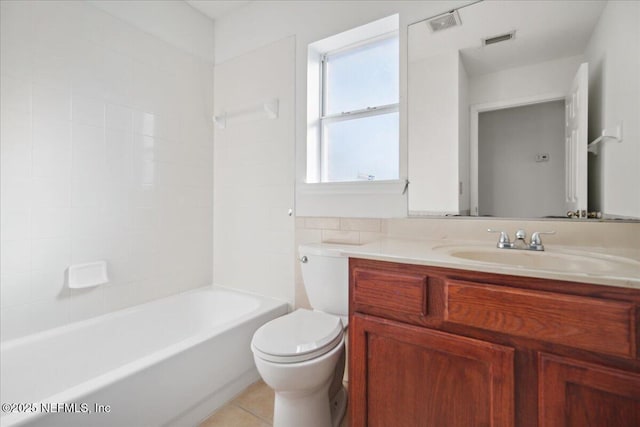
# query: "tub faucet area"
(521, 240)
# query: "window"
(358, 121)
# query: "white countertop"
(601, 266)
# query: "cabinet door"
(403, 375)
(580, 394)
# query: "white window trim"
(377, 198)
(370, 111)
(354, 199)
(364, 112)
(352, 46)
(341, 117)
(392, 186)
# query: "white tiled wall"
(254, 173)
(106, 153)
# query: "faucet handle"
(504, 237)
(535, 237)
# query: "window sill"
(395, 186)
(360, 199)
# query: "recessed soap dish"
(87, 275)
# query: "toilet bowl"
(301, 355)
(302, 377)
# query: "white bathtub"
(170, 362)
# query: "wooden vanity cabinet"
(438, 347)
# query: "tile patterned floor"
(252, 408)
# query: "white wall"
(434, 135)
(254, 173)
(511, 183)
(614, 97)
(106, 150)
(551, 77)
(166, 20)
(262, 22)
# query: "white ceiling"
(215, 9)
(545, 30)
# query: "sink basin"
(551, 260)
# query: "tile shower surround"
(106, 150)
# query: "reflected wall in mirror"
(508, 103)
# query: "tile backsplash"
(335, 230)
(107, 154)
(625, 235)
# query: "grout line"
(251, 413)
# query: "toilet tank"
(325, 272)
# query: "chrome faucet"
(521, 240)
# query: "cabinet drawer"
(603, 326)
(398, 292)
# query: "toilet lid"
(298, 336)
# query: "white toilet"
(301, 355)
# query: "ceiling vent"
(442, 22)
(497, 39)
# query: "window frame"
(369, 111)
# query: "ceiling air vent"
(442, 22)
(498, 39)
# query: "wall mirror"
(525, 110)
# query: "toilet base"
(291, 408)
(338, 407)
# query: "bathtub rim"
(52, 332)
(76, 392)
